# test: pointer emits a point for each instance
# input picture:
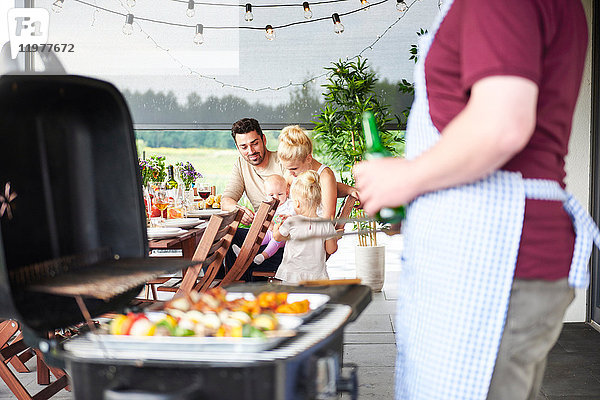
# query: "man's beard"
(258, 158)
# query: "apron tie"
(586, 231)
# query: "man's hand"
(248, 216)
(379, 188)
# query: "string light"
(307, 13)
(199, 37)
(234, 27)
(213, 3)
(240, 87)
(337, 24)
(190, 10)
(401, 5)
(440, 4)
(128, 27)
(57, 6)
(269, 32)
(249, 17)
(131, 3)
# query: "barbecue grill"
(73, 246)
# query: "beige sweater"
(246, 178)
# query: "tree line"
(152, 107)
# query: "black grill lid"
(71, 208)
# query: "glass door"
(594, 299)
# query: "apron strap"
(586, 230)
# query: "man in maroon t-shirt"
(502, 80)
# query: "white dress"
(303, 258)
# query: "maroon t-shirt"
(544, 41)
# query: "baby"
(276, 187)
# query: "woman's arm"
(328, 193)
(344, 190)
(331, 245)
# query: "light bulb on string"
(440, 4)
(401, 5)
(365, 4)
(199, 37)
(249, 17)
(190, 10)
(269, 32)
(128, 27)
(131, 3)
(337, 24)
(57, 6)
(307, 12)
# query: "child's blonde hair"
(294, 144)
(306, 190)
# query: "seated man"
(254, 165)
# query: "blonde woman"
(295, 155)
(306, 248)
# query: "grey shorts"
(533, 324)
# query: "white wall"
(578, 160)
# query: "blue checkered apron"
(460, 252)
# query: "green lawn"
(214, 164)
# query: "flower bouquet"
(153, 170)
(188, 174)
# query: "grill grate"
(97, 274)
(49, 269)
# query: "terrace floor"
(573, 370)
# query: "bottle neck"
(372, 139)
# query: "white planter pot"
(370, 266)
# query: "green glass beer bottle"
(375, 149)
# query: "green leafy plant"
(405, 86)
(338, 133)
(156, 171)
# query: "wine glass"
(204, 190)
(161, 200)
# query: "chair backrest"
(256, 234)
(211, 250)
(345, 210)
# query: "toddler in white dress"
(308, 238)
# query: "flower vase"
(188, 195)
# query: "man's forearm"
(228, 204)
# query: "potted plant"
(340, 143)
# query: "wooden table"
(186, 242)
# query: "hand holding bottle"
(388, 211)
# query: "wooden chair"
(256, 234)
(13, 347)
(211, 250)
